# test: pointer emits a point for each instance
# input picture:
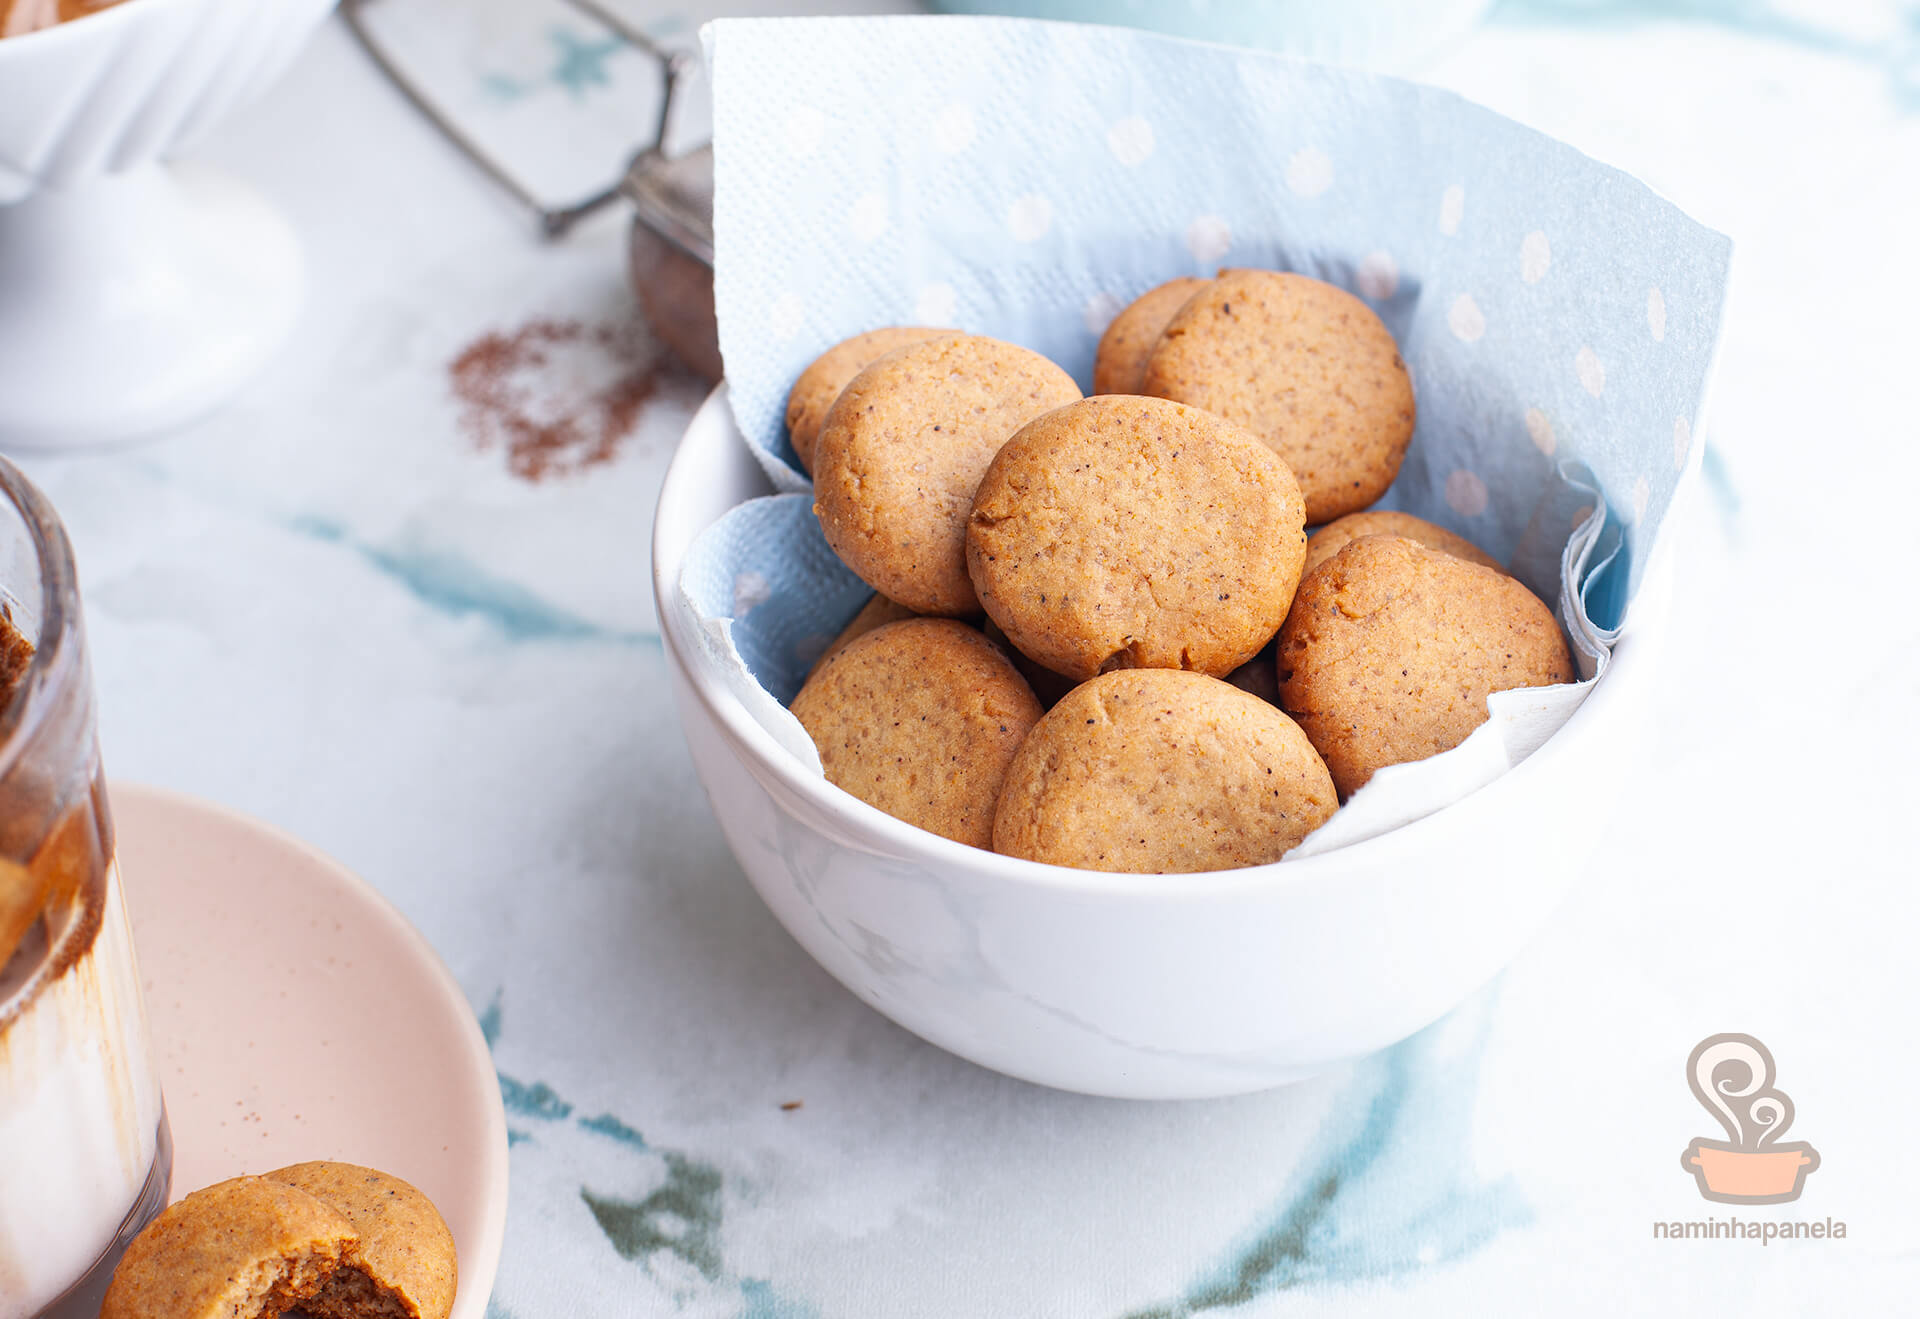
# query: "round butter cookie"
(1120, 362)
(902, 450)
(1337, 534)
(920, 718)
(1303, 365)
(1161, 771)
(1129, 532)
(402, 1265)
(820, 384)
(233, 1250)
(1392, 650)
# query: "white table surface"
(325, 605)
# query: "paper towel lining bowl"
(1142, 986)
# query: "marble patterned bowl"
(1142, 986)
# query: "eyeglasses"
(671, 251)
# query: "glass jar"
(85, 1157)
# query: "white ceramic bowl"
(136, 296)
(1142, 986)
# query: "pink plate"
(298, 1016)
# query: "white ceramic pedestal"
(136, 301)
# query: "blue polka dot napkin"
(1026, 180)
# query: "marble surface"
(338, 607)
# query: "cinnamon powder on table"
(557, 396)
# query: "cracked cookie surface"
(1161, 771)
(1128, 532)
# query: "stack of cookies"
(325, 1240)
(1102, 635)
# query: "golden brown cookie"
(1128, 532)
(904, 447)
(820, 384)
(403, 1265)
(920, 718)
(1156, 770)
(234, 1250)
(1303, 365)
(1120, 362)
(876, 612)
(1337, 534)
(1392, 649)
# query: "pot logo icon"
(1732, 1077)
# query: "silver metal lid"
(673, 196)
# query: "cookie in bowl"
(830, 373)
(920, 719)
(1392, 649)
(1305, 366)
(1120, 360)
(878, 611)
(1341, 532)
(1161, 771)
(1130, 532)
(902, 450)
